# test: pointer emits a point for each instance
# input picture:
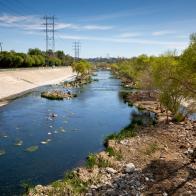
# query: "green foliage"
(82, 67)
(172, 76)
(179, 117)
(35, 51)
(72, 183)
(127, 132)
(93, 160)
(72, 179)
(34, 58)
(112, 152)
(54, 61)
(193, 38)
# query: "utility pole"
(49, 23)
(1, 46)
(53, 39)
(76, 47)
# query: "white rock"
(147, 179)
(130, 167)
(93, 187)
(124, 142)
(39, 187)
(165, 194)
(111, 170)
(189, 151)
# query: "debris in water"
(46, 141)
(55, 131)
(2, 152)
(18, 143)
(51, 126)
(32, 148)
(49, 133)
(62, 129)
(53, 115)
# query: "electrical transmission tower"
(76, 47)
(49, 29)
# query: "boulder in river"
(57, 95)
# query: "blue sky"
(122, 28)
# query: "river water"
(80, 128)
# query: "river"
(80, 128)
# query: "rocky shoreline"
(158, 160)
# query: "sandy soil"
(15, 82)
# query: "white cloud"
(129, 35)
(5, 18)
(164, 32)
(97, 27)
(35, 23)
(178, 45)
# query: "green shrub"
(127, 132)
(91, 160)
(71, 182)
(179, 117)
(114, 153)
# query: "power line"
(76, 47)
(49, 23)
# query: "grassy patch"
(72, 183)
(179, 117)
(127, 132)
(93, 160)
(152, 148)
(26, 185)
(112, 152)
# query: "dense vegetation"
(172, 76)
(34, 58)
(82, 68)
